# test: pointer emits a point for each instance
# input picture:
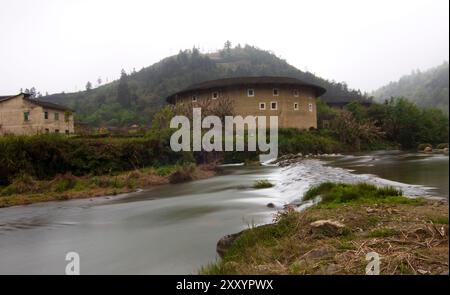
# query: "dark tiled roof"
(44, 104)
(248, 81)
(48, 105)
(6, 97)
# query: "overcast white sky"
(58, 45)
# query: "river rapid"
(173, 229)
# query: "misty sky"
(58, 45)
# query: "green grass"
(333, 194)
(439, 219)
(382, 233)
(264, 183)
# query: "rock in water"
(271, 205)
(428, 150)
(327, 228)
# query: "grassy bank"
(25, 189)
(410, 235)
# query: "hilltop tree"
(123, 91)
(227, 46)
(88, 86)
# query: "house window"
(296, 92)
(273, 105)
(67, 132)
(276, 92)
(295, 106)
(215, 95)
(46, 115)
(56, 130)
(56, 116)
(47, 131)
(310, 107)
(26, 116)
(250, 92)
(194, 98)
(262, 106)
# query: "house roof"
(272, 80)
(48, 105)
(42, 103)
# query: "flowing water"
(173, 229)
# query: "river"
(173, 229)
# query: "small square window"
(194, 98)
(47, 131)
(276, 92)
(262, 106)
(56, 130)
(56, 116)
(250, 92)
(273, 105)
(26, 116)
(296, 93)
(67, 132)
(310, 107)
(295, 106)
(215, 95)
(46, 115)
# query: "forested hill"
(426, 89)
(135, 97)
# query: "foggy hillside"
(136, 96)
(426, 89)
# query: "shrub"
(44, 156)
(262, 184)
(442, 146)
(182, 174)
(423, 146)
(63, 183)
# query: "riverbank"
(26, 190)
(334, 236)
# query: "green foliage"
(292, 141)
(395, 121)
(264, 183)
(338, 193)
(408, 125)
(45, 156)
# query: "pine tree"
(88, 86)
(123, 91)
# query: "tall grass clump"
(336, 193)
(264, 183)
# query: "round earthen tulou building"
(292, 100)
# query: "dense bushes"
(44, 157)
(405, 123)
(292, 141)
(395, 121)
